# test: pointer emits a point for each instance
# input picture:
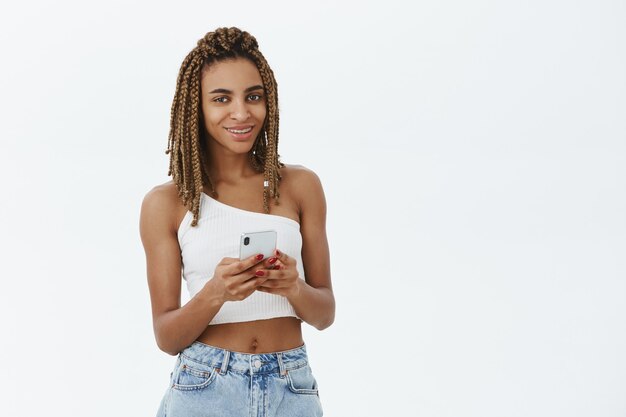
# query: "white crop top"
(216, 236)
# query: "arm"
(175, 327)
(313, 301)
(314, 305)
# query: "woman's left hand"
(282, 276)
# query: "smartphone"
(254, 243)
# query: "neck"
(230, 168)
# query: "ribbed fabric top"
(216, 236)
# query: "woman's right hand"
(235, 280)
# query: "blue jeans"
(209, 381)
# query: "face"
(233, 98)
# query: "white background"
(473, 156)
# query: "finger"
(250, 286)
(271, 274)
(275, 283)
(283, 257)
(268, 284)
(270, 262)
(241, 266)
(260, 272)
(276, 279)
(277, 265)
(272, 265)
(256, 271)
(228, 261)
(253, 283)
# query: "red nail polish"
(259, 273)
(277, 252)
(276, 266)
(259, 256)
(272, 260)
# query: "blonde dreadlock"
(187, 137)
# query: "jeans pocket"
(302, 381)
(191, 375)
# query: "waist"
(258, 336)
(252, 363)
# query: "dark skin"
(238, 185)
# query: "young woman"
(238, 341)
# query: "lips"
(240, 127)
(241, 136)
(239, 132)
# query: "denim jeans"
(209, 381)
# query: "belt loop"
(225, 361)
(281, 365)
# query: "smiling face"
(233, 101)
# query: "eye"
(221, 99)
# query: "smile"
(240, 134)
(239, 131)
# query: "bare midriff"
(259, 336)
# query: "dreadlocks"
(187, 142)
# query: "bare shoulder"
(161, 205)
(167, 190)
(298, 176)
(306, 187)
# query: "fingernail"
(272, 260)
(277, 252)
(259, 256)
(259, 273)
(276, 266)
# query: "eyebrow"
(225, 91)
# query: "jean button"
(257, 363)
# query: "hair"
(187, 142)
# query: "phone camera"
(246, 240)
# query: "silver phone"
(254, 243)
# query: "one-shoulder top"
(217, 235)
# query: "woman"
(238, 340)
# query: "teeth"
(240, 131)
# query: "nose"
(239, 111)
